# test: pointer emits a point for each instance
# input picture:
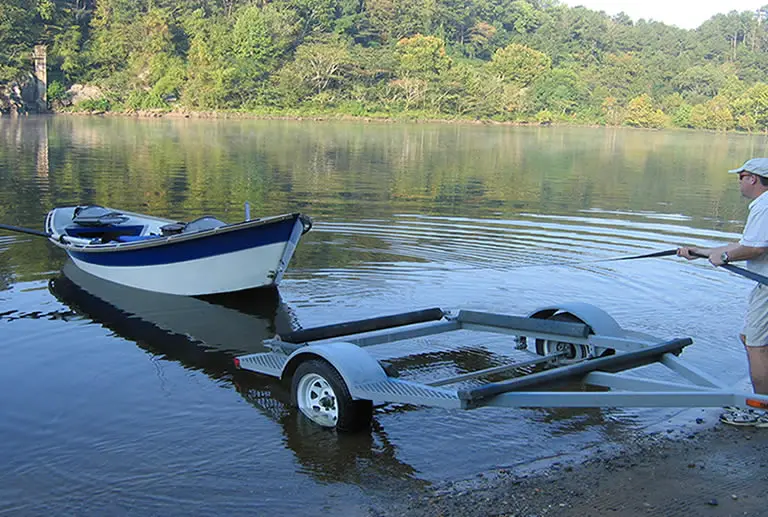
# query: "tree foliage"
(317, 67)
(518, 64)
(642, 113)
(421, 57)
(15, 42)
(523, 60)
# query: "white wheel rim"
(317, 400)
(580, 352)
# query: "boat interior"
(98, 224)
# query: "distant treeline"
(503, 60)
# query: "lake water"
(119, 402)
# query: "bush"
(544, 117)
(139, 100)
(101, 104)
(56, 92)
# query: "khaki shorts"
(756, 319)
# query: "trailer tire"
(321, 394)
(574, 352)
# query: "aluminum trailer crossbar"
(604, 346)
(612, 363)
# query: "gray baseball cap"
(757, 166)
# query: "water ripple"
(415, 244)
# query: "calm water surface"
(115, 401)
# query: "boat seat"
(95, 215)
(92, 232)
(207, 222)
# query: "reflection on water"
(205, 334)
(120, 399)
(205, 328)
(353, 174)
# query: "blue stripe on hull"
(216, 244)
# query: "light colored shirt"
(756, 233)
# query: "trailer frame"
(580, 341)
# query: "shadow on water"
(205, 333)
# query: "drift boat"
(200, 257)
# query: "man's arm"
(736, 252)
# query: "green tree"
(702, 81)
(587, 35)
(316, 16)
(698, 118)
(17, 36)
(480, 38)
(752, 105)
(641, 113)
(747, 123)
(421, 57)
(612, 111)
(316, 67)
(67, 52)
(210, 71)
(682, 116)
(392, 20)
(473, 91)
(523, 17)
(157, 55)
(671, 103)
(454, 20)
(560, 91)
(732, 88)
(115, 33)
(261, 39)
(518, 64)
(719, 115)
(622, 76)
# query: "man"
(753, 247)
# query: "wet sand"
(690, 468)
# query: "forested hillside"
(506, 60)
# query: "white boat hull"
(246, 269)
(132, 250)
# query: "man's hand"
(689, 252)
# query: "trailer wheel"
(321, 394)
(574, 352)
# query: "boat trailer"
(335, 382)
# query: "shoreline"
(237, 115)
(687, 465)
(224, 115)
(242, 115)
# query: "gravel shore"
(698, 467)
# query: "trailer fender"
(599, 320)
(355, 365)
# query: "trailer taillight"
(237, 363)
(759, 404)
